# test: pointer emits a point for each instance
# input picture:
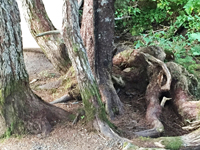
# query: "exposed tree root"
(157, 74)
(64, 98)
(183, 85)
(107, 131)
(154, 108)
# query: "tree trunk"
(21, 110)
(87, 32)
(99, 44)
(94, 108)
(77, 53)
(51, 44)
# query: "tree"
(97, 51)
(51, 44)
(21, 110)
(97, 32)
(89, 89)
(88, 86)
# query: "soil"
(44, 81)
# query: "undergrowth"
(173, 25)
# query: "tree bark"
(52, 44)
(21, 110)
(77, 53)
(91, 98)
(98, 37)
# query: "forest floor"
(65, 136)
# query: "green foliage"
(183, 49)
(141, 15)
(159, 22)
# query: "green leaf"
(195, 50)
(124, 24)
(195, 36)
(138, 45)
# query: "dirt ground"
(43, 81)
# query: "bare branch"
(48, 33)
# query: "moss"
(90, 111)
(15, 129)
(1, 97)
(172, 143)
(144, 138)
(68, 83)
(11, 108)
(126, 54)
(75, 47)
(5, 92)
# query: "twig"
(48, 33)
(164, 101)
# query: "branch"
(124, 17)
(48, 33)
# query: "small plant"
(82, 117)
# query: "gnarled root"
(154, 108)
(153, 92)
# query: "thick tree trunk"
(52, 44)
(99, 49)
(21, 110)
(87, 84)
(77, 53)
